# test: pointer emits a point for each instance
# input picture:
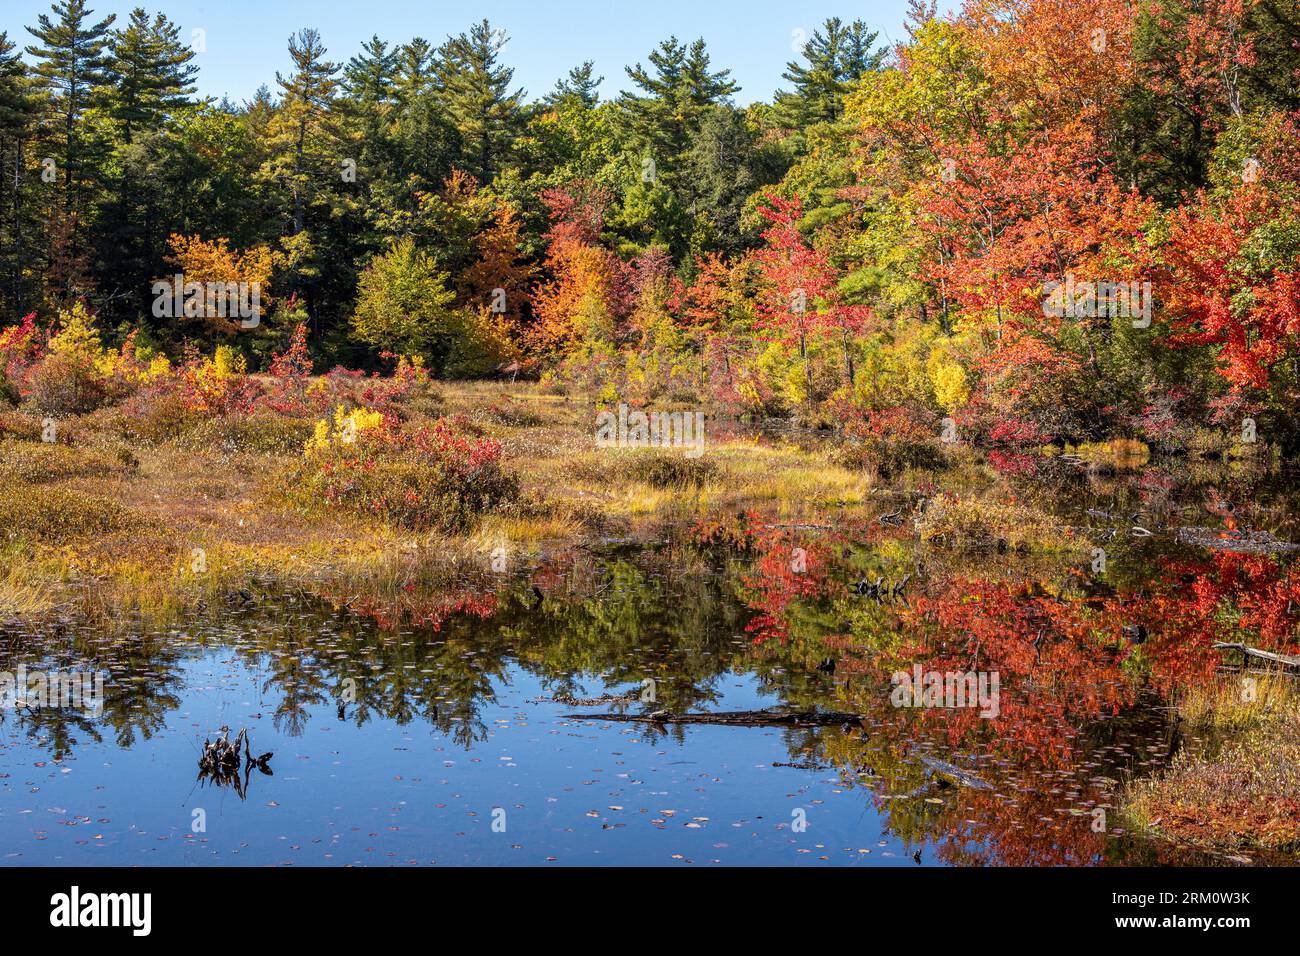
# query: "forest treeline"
(933, 229)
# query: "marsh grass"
(1237, 702)
(55, 515)
(990, 522)
(39, 463)
(24, 593)
(111, 519)
(1247, 792)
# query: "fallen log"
(738, 718)
(951, 771)
(1286, 660)
(1235, 541)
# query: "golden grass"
(1235, 702)
(24, 593)
(1247, 794)
(985, 520)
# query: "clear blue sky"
(246, 38)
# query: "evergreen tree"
(678, 90)
(150, 71)
(72, 68)
(837, 56)
(579, 85)
(414, 74)
(474, 89)
(304, 136)
(370, 79)
(18, 113)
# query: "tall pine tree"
(474, 90)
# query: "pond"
(478, 725)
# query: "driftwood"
(739, 718)
(951, 771)
(1286, 660)
(1237, 542)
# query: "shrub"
(157, 416)
(54, 515)
(666, 469)
(39, 463)
(889, 439)
(18, 425)
(655, 467)
(430, 478)
(261, 431)
(21, 346)
(69, 379)
(218, 385)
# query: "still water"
(473, 728)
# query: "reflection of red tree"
(1226, 597)
(415, 609)
(785, 571)
(789, 565)
(1054, 671)
(1027, 828)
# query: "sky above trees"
(246, 38)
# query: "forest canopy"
(886, 241)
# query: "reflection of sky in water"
(373, 789)
(382, 794)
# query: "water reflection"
(746, 611)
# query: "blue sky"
(246, 39)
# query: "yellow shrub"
(347, 426)
(949, 382)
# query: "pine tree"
(72, 68)
(18, 113)
(579, 85)
(304, 135)
(679, 89)
(371, 78)
(413, 70)
(837, 56)
(150, 71)
(474, 89)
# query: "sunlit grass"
(1238, 701)
(1247, 794)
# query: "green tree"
(580, 84)
(679, 90)
(150, 71)
(303, 133)
(404, 305)
(474, 90)
(72, 66)
(19, 109)
(837, 56)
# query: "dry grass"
(989, 521)
(1245, 795)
